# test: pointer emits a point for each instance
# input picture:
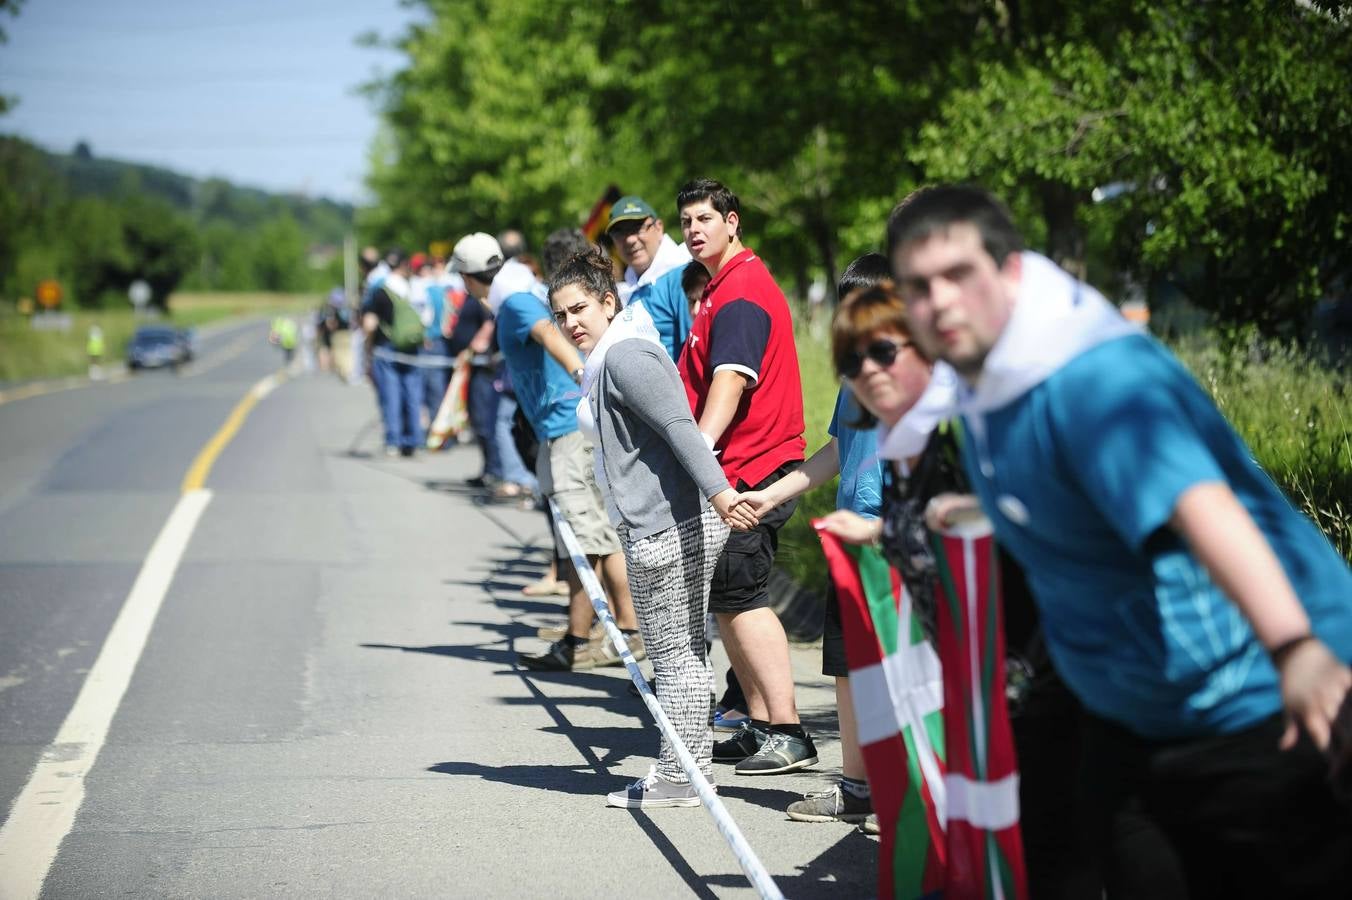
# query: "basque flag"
(985, 849)
(898, 693)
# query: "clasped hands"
(740, 511)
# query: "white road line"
(45, 811)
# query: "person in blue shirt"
(546, 371)
(654, 265)
(1198, 616)
(853, 454)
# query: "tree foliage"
(1221, 130)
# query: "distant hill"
(204, 200)
(95, 225)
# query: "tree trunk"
(1065, 235)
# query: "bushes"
(1292, 412)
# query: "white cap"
(475, 253)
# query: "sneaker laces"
(834, 795)
(775, 741)
(647, 781)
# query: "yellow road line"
(201, 466)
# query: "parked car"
(155, 346)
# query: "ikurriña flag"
(898, 693)
(985, 849)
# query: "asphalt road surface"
(318, 693)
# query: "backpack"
(407, 329)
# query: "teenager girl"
(667, 496)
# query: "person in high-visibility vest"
(94, 346)
(284, 335)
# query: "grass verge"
(27, 353)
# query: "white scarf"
(630, 323)
(670, 255)
(909, 436)
(1054, 320)
(513, 278)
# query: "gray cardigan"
(659, 469)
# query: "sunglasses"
(882, 351)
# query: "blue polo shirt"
(547, 394)
(861, 471)
(1080, 477)
(666, 303)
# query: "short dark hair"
(937, 208)
(560, 245)
(589, 270)
(396, 257)
(484, 277)
(692, 276)
(868, 270)
(719, 197)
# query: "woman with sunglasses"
(909, 398)
(668, 498)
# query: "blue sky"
(261, 92)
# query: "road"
(326, 701)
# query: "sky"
(260, 92)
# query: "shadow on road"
(848, 868)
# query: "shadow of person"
(472, 652)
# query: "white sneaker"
(653, 791)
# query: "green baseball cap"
(629, 209)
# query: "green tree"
(279, 255)
(162, 247)
(1226, 127)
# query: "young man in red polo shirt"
(740, 370)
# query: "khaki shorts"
(564, 467)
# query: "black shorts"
(833, 637)
(742, 576)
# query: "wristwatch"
(577, 374)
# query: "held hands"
(760, 502)
(734, 510)
(1314, 684)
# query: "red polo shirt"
(743, 323)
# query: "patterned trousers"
(669, 574)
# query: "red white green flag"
(898, 694)
(985, 850)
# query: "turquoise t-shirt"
(547, 394)
(861, 471)
(665, 301)
(1081, 476)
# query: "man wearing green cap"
(655, 263)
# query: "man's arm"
(720, 405)
(556, 345)
(1227, 542)
(483, 338)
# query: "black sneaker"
(558, 658)
(779, 753)
(744, 742)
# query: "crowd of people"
(1178, 635)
